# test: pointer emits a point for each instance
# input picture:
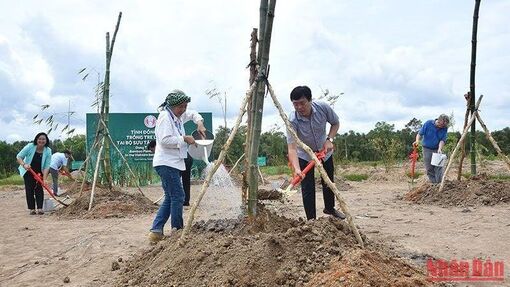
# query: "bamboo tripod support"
(474, 116)
(124, 159)
(217, 163)
(318, 164)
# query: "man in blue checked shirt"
(309, 120)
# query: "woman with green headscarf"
(171, 150)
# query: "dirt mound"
(473, 192)
(358, 267)
(107, 204)
(271, 251)
(269, 194)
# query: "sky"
(393, 60)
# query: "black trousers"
(308, 188)
(33, 192)
(186, 179)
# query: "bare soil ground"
(45, 250)
(473, 192)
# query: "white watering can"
(438, 159)
(202, 148)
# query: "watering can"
(202, 148)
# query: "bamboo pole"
(472, 137)
(106, 101)
(96, 173)
(461, 140)
(493, 141)
(253, 74)
(217, 163)
(318, 164)
(258, 108)
(463, 147)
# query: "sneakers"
(155, 237)
(334, 213)
(32, 212)
(40, 212)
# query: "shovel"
(413, 157)
(39, 179)
(297, 179)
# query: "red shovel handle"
(320, 155)
(40, 180)
(413, 157)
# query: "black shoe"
(186, 204)
(334, 213)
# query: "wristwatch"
(329, 139)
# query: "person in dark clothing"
(309, 121)
(36, 156)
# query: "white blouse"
(171, 149)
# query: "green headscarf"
(175, 98)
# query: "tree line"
(8, 152)
(383, 143)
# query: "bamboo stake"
(493, 141)
(253, 74)
(235, 164)
(217, 163)
(472, 107)
(258, 106)
(125, 161)
(86, 163)
(461, 140)
(95, 174)
(106, 102)
(318, 164)
(260, 174)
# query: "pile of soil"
(269, 194)
(473, 192)
(269, 251)
(107, 204)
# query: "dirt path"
(43, 250)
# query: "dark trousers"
(308, 188)
(33, 191)
(186, 179)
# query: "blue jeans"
(174, 199)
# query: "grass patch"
(355, 176)
(275, 170)
(14, 179)
(504, 177)
(416, 174)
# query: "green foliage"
(355, 176)
(273, 145)
(386, 143)
(275, 170)
(236, 149)
(14, 179)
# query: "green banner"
(131, 133)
